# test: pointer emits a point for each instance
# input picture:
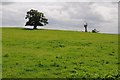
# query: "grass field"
(58, 54)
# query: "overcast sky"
(64, 15)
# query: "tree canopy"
(35, 19)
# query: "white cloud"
(60, 0)
(0, 14)
(106, 10)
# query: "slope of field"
(58, 54)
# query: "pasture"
(58, 54)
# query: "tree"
(35, 19)
(85, 26)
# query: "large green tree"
(35, 19)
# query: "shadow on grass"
(31, 29)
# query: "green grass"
(58, 54)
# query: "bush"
(94, 31)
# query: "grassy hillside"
(54, 53)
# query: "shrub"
(94, 31)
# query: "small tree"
(35, 19)
(85, 26)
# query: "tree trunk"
(35, 27)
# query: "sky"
(69, 15)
